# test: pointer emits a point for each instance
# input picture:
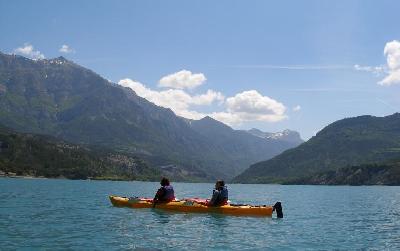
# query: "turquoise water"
(64, 214)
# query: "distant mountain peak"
(207, 118)
(285, 135)
(61, 58)
(58, 60)
(213, 122)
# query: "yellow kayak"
(192, 206)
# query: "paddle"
(278, 208)
(159, 194)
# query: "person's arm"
(160, 193)
(214, 198)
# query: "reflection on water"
(164, 217)
(63, 214)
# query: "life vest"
(224, 195)
(220, 197)
(168, 194)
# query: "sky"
(271, 65)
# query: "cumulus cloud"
(28, 51)
(392, 53)
(182, 80)
(177, 100)
(252, 106)
(227, 118)
(66, 49)
(296, 108)
(242, 107)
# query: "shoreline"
(65, 178)
(23, 177)
(111, 179)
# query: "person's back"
(220, 194)
(165, 193)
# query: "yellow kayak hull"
(189, 206)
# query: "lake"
(66, 214)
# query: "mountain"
(347, 142)
(39, 155)
(60, 98)
(286, 135)
(241, 147)
(370, 174)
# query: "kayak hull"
(190, 206)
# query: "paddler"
(165, 193)
(220, 195)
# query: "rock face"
(60, 98)
(347, 142)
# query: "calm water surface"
(63, 214)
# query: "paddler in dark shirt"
(220, 195)
(165, 193)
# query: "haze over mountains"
(60, 98)
(345, 143)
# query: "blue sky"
(268, 64)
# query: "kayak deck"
(193, 206)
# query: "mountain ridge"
(347, 142)
(63, 99)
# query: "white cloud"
(208, 98)
(177, 100)
(182, 80)
(296, 108)
(377, 70)
(28, 51)
(392, 53)
(252, 106)
(66, 49)
(243, 107)
(227, 118)
(293, 67)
